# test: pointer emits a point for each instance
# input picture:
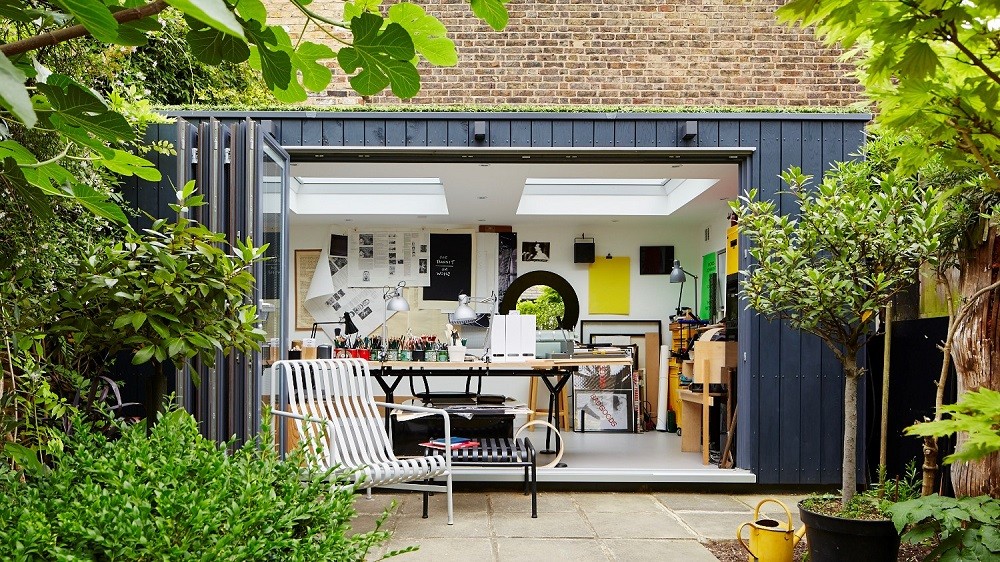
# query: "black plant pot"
(833, 539)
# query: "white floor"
(616, 457)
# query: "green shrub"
(174, 495)
(961, 528)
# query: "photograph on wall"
(534, 251)
(506, 261)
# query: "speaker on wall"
(583, 250)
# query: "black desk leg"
(554, 390)
(389, 390)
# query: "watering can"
(770, 540)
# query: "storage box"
(710, 357)
(498, 339)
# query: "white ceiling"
(489, 193)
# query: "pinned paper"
(609, 286)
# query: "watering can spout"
(798, 535)
(770, 540)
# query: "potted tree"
(827, 268)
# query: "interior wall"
(652, 297)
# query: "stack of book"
(456, 443)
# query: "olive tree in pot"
(827, 267)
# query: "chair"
(335, 412)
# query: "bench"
(498, 451)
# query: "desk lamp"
(677, 275)
(394, 301)
(349, 327)
(464, 313)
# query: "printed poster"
(384, 258)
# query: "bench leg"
(534, 489)
(426, 493)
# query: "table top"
(533, 365)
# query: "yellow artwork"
(609, 286)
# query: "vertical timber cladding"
(790, 387)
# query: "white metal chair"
(336, 414)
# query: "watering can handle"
(739, 537)
(756, 512)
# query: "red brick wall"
(620, 52)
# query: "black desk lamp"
(677, 275)
(349, 327)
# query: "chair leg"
(534, 487)
(451, 518)
(426, 493)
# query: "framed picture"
(604, 398)
(535, 251)
(589, 329)
(305, 266)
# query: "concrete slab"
(639, 550)
(564, 525)
(714, 525)
(640, 526)
(519, 550)
(466, 503)
(447, 549)
(516, 502)
(412, 526)
(703, 502)
(609, 502)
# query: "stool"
(563, 421)
(502, 451)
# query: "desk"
(389, 374)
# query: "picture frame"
(591, 328)
(306, 262)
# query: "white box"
(528, 334)
(498, 336)
(513, 338)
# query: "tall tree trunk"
(849, 478)
(977, 358)
(884, 422)
(156, 395)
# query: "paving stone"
(462, 549)
(517, 502)
(378, 503)
(437, 504)
(520, 550)
(436, 526)
(715, 525)
(702, 502)
(661, 525)
(610, 502)
(658, 550)
(562, 525)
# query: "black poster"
(451, 267)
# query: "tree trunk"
(156, 395)
(884, 422)
(977, 358)
(849, 478)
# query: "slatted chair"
(335, 412)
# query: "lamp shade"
(464, 311)
(677, 274)
(397, 304)
(349, 327)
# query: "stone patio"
(613, 526)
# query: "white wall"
(652, 297)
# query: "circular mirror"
(554, 283)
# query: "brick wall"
(617, 52)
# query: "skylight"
(368, 196)
(606, 197)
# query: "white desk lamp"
(394, 301)
(464, 313)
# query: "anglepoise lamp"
(394, 301)
(679, 275)
(349, 327)
(464, 313)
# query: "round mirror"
(552, 291)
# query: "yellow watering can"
(770, 540)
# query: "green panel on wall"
(708, 267)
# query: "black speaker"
(583, 252)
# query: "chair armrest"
(294, 416)
(425, 410)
